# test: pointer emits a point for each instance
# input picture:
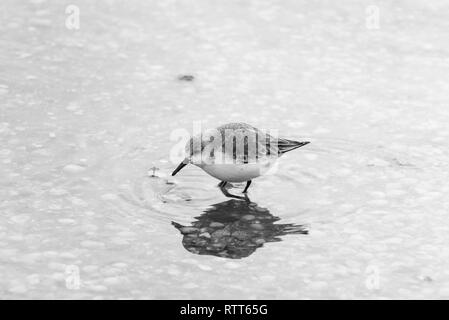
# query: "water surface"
(361, 212)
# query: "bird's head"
(193, 150)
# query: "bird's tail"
(285, 145)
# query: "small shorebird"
(235, 152)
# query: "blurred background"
(91, 92)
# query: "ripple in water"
(164, 198)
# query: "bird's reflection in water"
(234, 229)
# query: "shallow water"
(361, 212)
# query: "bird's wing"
(266, 144)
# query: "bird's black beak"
(181, 165)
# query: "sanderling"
(235, 152)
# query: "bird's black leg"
(248, 183)
(227, 194)
(222, 184)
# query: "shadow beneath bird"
(234, 229)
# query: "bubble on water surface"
(73, 168)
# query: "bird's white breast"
(233, 172)
(225, 168)
(236, 172)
